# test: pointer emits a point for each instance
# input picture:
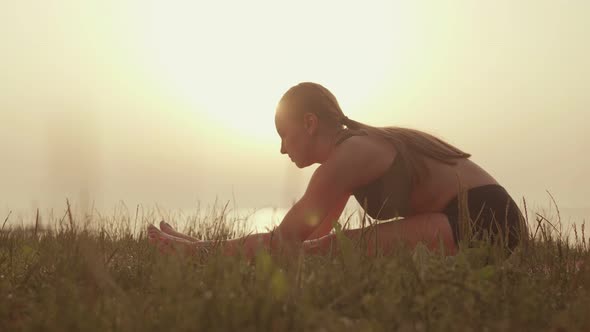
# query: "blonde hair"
(412, 145)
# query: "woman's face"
(295, 140)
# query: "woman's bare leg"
(166, 228)
(430, 229)
(166, 242)
(155, 234)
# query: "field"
(73, 277)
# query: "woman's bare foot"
(165, 242)
(166, 228)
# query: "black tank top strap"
(388, 196)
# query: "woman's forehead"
(281, 119)
(284, 113)
(284, 107)
(284, 120)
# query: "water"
(260, 220)
(249, 220)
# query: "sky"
(172, 102)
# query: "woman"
(441, 196)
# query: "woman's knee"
(432, 229)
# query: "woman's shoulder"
(361, 159)
(372, 148)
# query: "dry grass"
(76, 276)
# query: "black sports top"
(388, 196)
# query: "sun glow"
(234, 70)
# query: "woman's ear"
(310, 123)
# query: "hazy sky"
(172, 102)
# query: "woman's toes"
(164, 245)
(153, 233)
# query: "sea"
(246, 220)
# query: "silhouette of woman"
(436, 193)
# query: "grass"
(71, 276)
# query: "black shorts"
(491, 212)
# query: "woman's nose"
(283, 151)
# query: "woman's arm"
(309, 216)
(249, 244)
(328, 223)
(327, 193)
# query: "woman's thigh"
(431, 229)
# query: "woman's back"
(445, 182)
(436, 190)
